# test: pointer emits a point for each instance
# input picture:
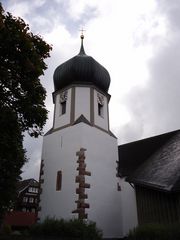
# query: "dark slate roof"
(162, 170)
(132, 155)
(81, 69)
(26, 183)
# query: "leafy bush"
(6, 230)
(74, 228)
(155, 232)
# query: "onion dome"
(81, 69)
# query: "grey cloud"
(157, 107)
(131, 131)
(154, 109)
(43, 17)
(170, 9)
(33, 147)
(46, 15)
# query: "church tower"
(78, 172)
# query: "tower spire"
(82, 52)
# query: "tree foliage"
(22, 97)
(12, 157)
(22, 57)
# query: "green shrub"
(155, 232)
(6, 230)
(74, 228)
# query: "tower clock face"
(100, 99)
(63, 97)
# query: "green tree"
(22, 98)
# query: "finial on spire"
(82, 33)
(82, 52)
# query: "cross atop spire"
(82, 32)
(82, 52)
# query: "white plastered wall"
(129, 208)
(105, 200)
(113, 211)
(82, 102)
(59, 153)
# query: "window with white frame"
(25, 199)
(31, 200)
(33, 210)
(33, 189)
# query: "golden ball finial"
(82, 33)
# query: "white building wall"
(129, 208)
(113, 211)
(59, 119)
(104, 198)
(82, 102)
(98, 120)
(59, 153)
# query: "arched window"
(58, 180)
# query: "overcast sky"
(137, 41)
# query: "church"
(84, 174)
(80, 154)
